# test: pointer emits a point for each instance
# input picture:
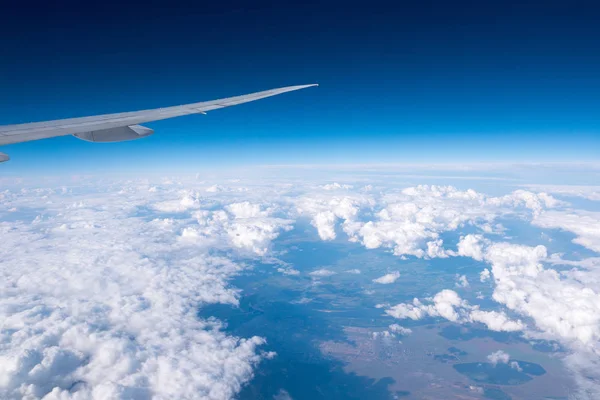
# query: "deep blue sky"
(422, 81)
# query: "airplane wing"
(121, 126)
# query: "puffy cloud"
(442, 305)
(471, 246)
(498, 357)
(461, 281)
(325, 211)
(394, 331)
(563, 308)
(448, 304)
(128, 265)
(246, 210)
(435, 249)
(336, 186)
(242, 225)
(400, 329)
(484, 275)
(354, 271)
(383, 335)
(388, 278)
(496, 321)
(325, 224)
(106, 306)
(410, 222)
(321, 273)
(515, 365)
(543, 302)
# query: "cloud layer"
(100, 285)
(99, 296)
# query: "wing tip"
(298, 87)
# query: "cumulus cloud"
(388, 278)
(562, 306)
(288, 271)
(410, 223)
(326, 211)
(472, 246)
(498, 357)
(383, 335)
(394, 331)
(336, 186)
(448, 304)
(495, 321)
(325, 224)
(98, 302)
(461, 281)
(540, 301)
(188, 200)
(484, 275)
(321, 273)
(515, 365)
(242, 225)
(116, 268)
(400, 329)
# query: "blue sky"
(399, 82)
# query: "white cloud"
(325, 211)
(336, 186)
(288, 271)
(325, 224)
(323, 272)
(125, 268)
(448, 304)
(471, 246)
(461, 281)
(242, 225)
(354, 271)
(584, 224)
(496, 321)
(106, 306)
(562, 306)
(435, 249)
(498, 357)
(410, 222)
(388, 278)
(246, 210)
(484, 275)
(400, 330)
(515, 365)
(383, 335)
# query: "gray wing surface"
(121, 126)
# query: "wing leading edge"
(112, 127)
